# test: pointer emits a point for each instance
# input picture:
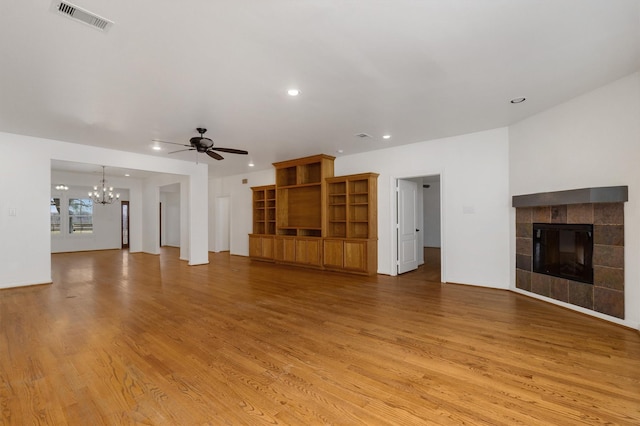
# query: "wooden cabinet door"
(308, 251)
(355, 255)
(285, 249)
(267, 248)
(255, 246)
(261, 247)
(333, 254)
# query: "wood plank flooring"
(123, 338)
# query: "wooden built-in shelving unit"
(264, 209)
(352, 206)
(311, 218)
(352, 226)
(261, 242)
(300, 192)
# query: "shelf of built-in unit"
(264, 210)
(302, 185)
(352, 206)
(303, 171)
(299, 232)
(300, 195)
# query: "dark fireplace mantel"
(605, 194)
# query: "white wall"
(25, 175)
(170, 218)
(106, 218)
(240, 207)
(476, 218)
(25, 218)
(431, 224)
(590, 141)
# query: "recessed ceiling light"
(517, 100)
(127, 175)
(293, 92)
(156, 148)
(386, 137)
(251, 164)
(340, 151)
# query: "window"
(55, 215)
(80, 216)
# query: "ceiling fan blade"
(230, 150)
(181, 150)
(172, 143)
(215, 155)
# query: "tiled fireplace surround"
(604, 208)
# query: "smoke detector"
(81, 15)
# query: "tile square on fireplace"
(612, 278)
(541, 284)
(580, 213)
(611, 256)
(523, 262)
(542, 214)
(581, 294)
(559, 289)
(524, 215)
(524, 230)
(524, 246)
(523, 279)
(610, 235)
(610, 302)
(559, 214)
(608, 214)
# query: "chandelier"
(102, 194)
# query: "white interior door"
(407, 226)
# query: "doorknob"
(417, 230)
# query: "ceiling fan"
(203, 144)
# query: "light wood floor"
(142, 339)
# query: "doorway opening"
(124, 220)
(170, 224)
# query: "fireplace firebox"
(564, 250)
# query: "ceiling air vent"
(79, 14)
(363, 135)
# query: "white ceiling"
(415, 69)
